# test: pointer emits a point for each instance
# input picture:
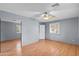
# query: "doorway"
(42, 32)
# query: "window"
(54, 28)
(18, 28)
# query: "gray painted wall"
(68, 31)
(30, 31)
(3, 25)
(0, 29)
(8, 31)
(30, 27)
(78, 27)
(78, 31)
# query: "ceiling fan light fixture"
(46, 17)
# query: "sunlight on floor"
(18, 48)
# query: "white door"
(42, 31)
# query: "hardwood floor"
(48, 47)
(45, 48)
(9, 45)
(77, 51)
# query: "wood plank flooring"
(45, 48)
(9, 44)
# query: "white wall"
(30, 31)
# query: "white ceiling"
(64, 10)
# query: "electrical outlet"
(73, 40)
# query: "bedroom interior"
(41, 29)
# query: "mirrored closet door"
(10, 36)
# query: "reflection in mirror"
(10, 36)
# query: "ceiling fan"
(46, 15)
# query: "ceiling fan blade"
(56, 4)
